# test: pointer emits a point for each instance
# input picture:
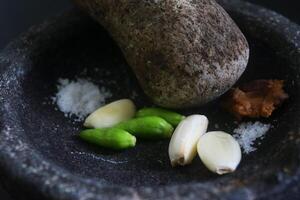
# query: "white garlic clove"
(183, 144)
(111, 114)
(219, 152)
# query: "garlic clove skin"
(111, 114)
(219, 152)
(183, 144)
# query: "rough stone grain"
(183, 52)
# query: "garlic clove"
(111, 114)
(183, 144)
(219, 152)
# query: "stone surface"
(41, 157)
(184, 53)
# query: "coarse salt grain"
(247, 133)
(79, 98)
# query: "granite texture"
(183, 53)
(41, 157)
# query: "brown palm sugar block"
(255, 99)
(184, 53)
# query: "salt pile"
(80, 97)
(247, 133)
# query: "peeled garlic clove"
(111, 114)
(219, 152)
(183, 144)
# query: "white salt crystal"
(247, 133)
(80, 97)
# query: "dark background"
(18, 15)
